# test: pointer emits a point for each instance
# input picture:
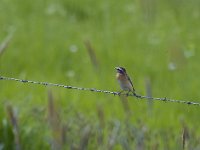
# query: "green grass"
(143, 36)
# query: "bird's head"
(120, 70)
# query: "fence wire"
(101, 91)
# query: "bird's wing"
(131, 82)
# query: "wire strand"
(101, 91)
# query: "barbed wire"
(101, 91)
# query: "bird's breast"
(120, 76)
(124, 82)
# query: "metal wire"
(101, 91)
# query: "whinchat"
(124, 80)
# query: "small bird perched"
(124, 80)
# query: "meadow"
(79, 43)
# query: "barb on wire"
(100, 91)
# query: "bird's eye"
(121, 71)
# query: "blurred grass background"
(79, 43)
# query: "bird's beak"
(116, 68)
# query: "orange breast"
(119, 76)
(124, 83)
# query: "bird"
(124, 80)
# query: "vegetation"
(79, 43)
